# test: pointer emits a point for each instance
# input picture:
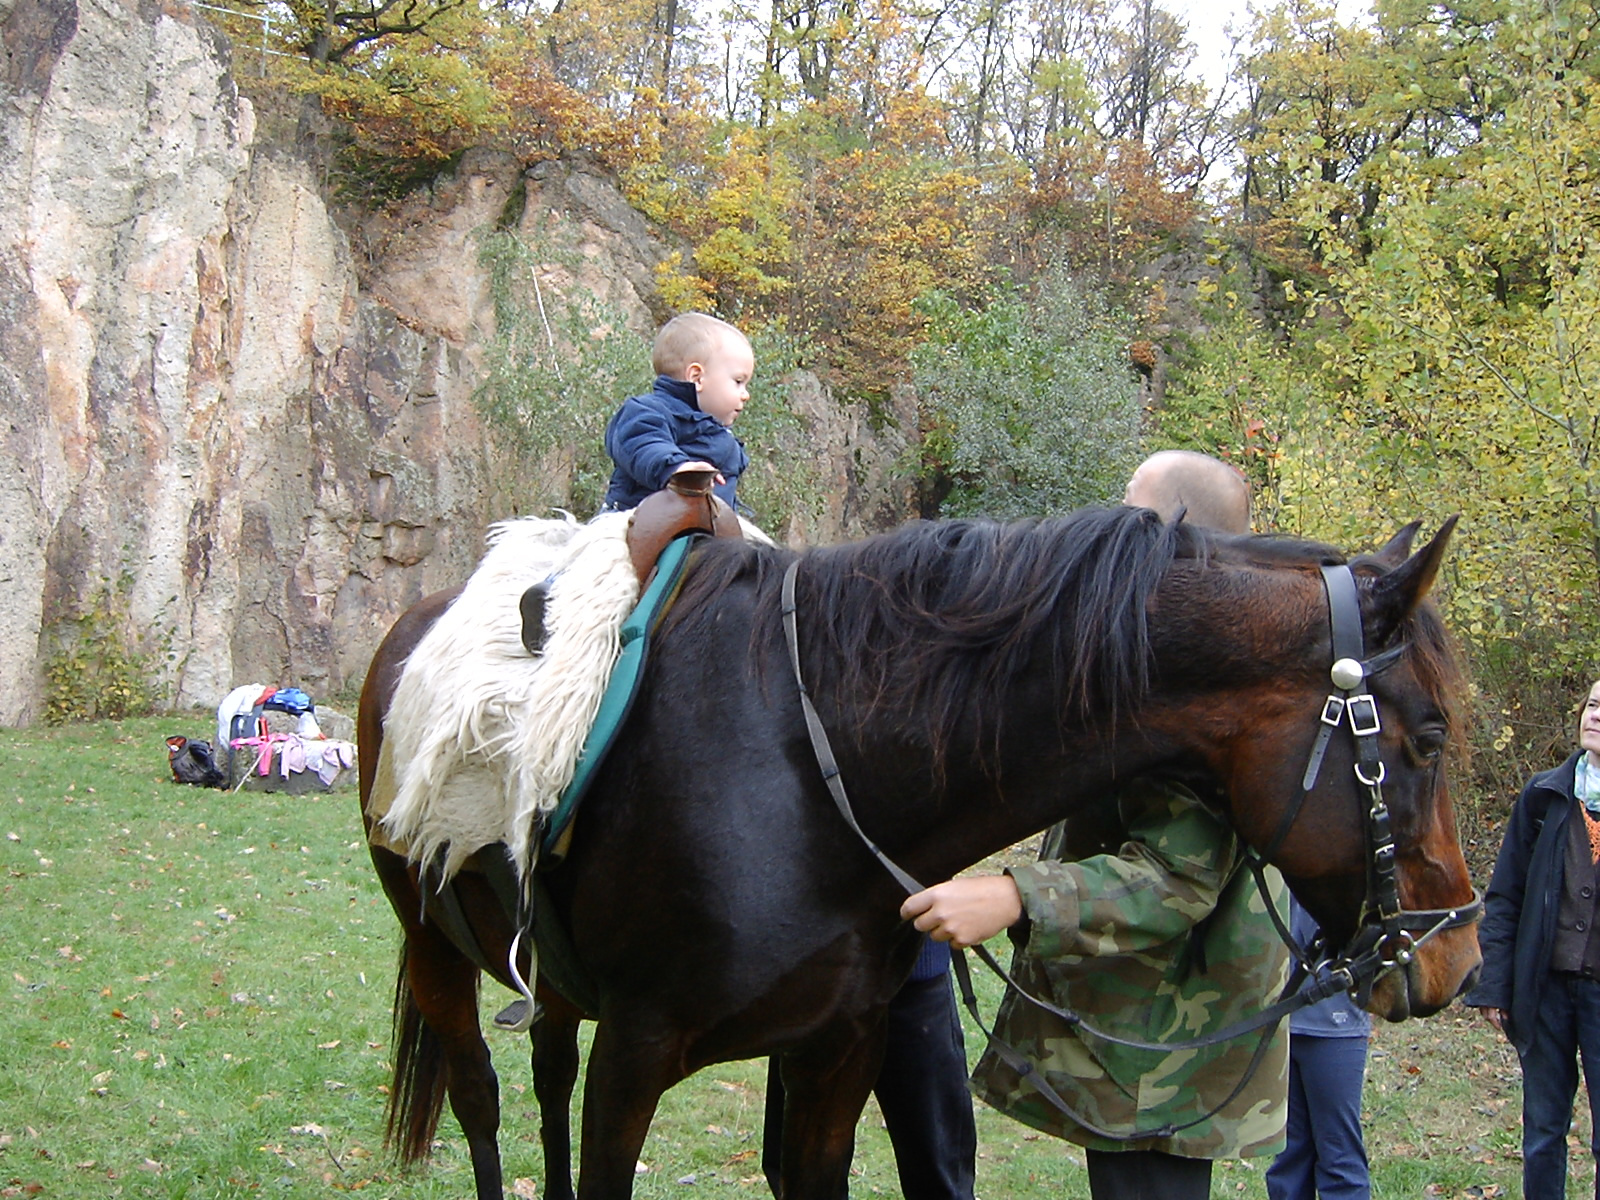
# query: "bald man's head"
(1207, 490)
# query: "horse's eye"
(1425, 747)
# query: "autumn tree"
(1029, 404)
(1458, 304)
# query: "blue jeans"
(1568, 1032)
(1324, 1155)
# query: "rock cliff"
(238, 420)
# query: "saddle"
(686, 505)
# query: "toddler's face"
(722, 381)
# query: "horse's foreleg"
(445, 986)
(555, 1072)
(824, 1088)
(627, 1073)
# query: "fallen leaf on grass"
(524, 1189)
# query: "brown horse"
(979, 682)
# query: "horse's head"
(1340, 770)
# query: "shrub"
(102, 667)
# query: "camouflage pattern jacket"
(1166, 940)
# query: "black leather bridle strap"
(821, 747)
(1333, 979)
(1344, 612)
(1343, 704)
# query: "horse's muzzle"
(1423, 986)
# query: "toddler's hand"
(700, 466)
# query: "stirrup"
(514, 1017)
(531, 1009)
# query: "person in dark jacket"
(703, 370)
(1540, 984)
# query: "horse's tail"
(417, 1091)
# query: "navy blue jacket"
(1519, 923)
(652, 435)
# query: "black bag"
(192, 763)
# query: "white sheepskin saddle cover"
(481, 737)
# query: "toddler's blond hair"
(688, 337)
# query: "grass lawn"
(199, 997)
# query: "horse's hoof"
(532, 607)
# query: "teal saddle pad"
(621, 688)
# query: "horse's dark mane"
(943, 619)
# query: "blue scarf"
(1586, 786)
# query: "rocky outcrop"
(239, 421)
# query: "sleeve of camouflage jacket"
(1165, 880)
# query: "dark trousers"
(1147, 1175)
(1324, 1155)
(922, 1091)
(1568, 1033)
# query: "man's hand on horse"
(966, 911)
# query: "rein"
(1382, 920)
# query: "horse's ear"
(1396, 594)
(1397, 549)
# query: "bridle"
(1387, 936)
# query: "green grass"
(198, 1006)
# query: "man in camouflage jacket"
(1164, 939)
(1167, 940)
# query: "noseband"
(1387, 936)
